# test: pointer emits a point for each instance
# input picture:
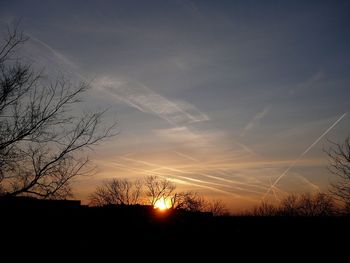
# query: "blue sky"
(219, 96)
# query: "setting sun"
(162, 204)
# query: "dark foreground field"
(66, 227)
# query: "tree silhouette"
(264, 209)
(319, 204)
(217, 208)
(157, 188)
(289, 206)
(306, 205)
(189, 201)
(41, 142)
(126, 192)
(339, 158)
(118, 192)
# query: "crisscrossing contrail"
(302, 154)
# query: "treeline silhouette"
(149, 191)
(304, 205)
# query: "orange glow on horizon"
(162, 204)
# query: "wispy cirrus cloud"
(179, 113)
(133, 93)
(42, 56)
(191, 137)
(188, 178)
(313, 80)
(303, 153)
(255, 121)
(139, 96)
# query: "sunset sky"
(222, 97)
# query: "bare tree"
(157, 188)
(195, 203)
(189, 201)
(339, 158)
(117, 191)
(217, 208)
(289, 206)
(308, 205)
(42, 143)
(180, 200)
(264, 209)
(319, 204)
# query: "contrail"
(302, 154)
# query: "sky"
(232, 99)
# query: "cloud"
(245, 148)
(42, 56)
(184, 135)
(303, 153)
(186, 177)
(190, 6)
(311, 185)
(310, 82)
(255, 121)
(187, 157)
(204, 138)
(144, 99)
(203, 144)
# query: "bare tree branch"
(339, 165)
(217, 208)
(189, 201)
(42, 143)
(158, 188)
(306, 205)
(117, 192)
